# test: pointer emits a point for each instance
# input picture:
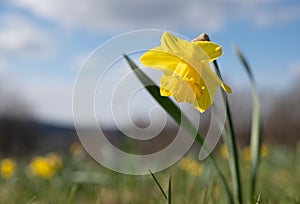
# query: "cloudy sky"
(44, 43)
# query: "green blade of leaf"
(158, 184)
(169, 192)
(205, 196)
(72, 194)
(256, 129)
(31, 200)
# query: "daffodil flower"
(187, 74)
(45, 167)
(7, 168)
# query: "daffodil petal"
(208, 94)
(211, 83)
(190, 52)
(213, 50)
(172, 85)
(176, 45)
(159, 59)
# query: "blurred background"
(44, 43)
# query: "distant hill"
(26, 137)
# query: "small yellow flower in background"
(45, 167)
(192, 167)
(265, 151)
(224, 151)
(76, 149)
(54, 160)
(41, 167)
(187, 73)
(246, 154)
(8, 168)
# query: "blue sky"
(44, 43)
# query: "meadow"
(258, 173)
(77, 178)
(75, 71)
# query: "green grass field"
(81, 180)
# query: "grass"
(82, 180)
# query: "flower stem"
(232, 147)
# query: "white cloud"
(49, 99)
(19, 37)
(108, 15)
(278, 15)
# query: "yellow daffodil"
(187, 73)
(76, 149)
(264, 152)
(224, 151)
(54, 160)
(44, 167)
(8, 168)
(192, 167)
(246, 154)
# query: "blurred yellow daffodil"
(41, 167)
(192, 167)
(8, 168)
(187, 73)
(45, 167)
(246, 154)
(54, 160)
(264, 152)
(224, 151)
(76, 149)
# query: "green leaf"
(256, 129)
(158, 184)
(32, 199)
(169, 192)
(205, 195)
(72, 194)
